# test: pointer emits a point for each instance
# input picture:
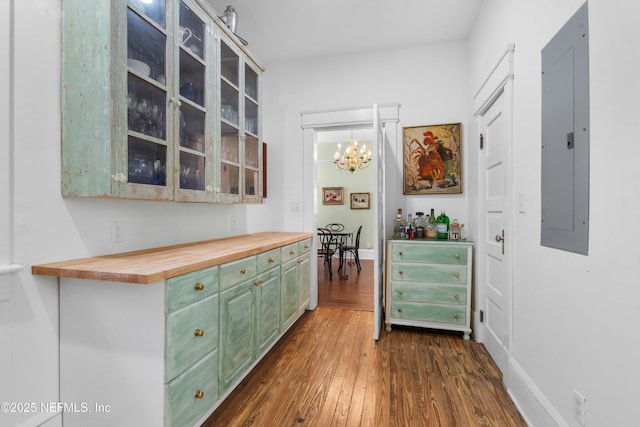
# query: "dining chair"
(353, 249)
(326, 249)
(335, 227)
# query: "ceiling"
(287, 29)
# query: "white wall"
(575, 316)
(51, 228)
(430, 83)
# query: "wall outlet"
(117, 231)
(232, 222)
(579, 403)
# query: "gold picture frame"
(332, 195)
(360, 200)
(432, 159)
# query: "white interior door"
(379, 233)
(495, 242)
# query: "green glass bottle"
(432, 229)
(443, 226)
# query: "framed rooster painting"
(432, 159)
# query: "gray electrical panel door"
(565, 137)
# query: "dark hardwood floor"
(355, 292)
(328, 371)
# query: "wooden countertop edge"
(138, 267)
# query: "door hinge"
(481, 141)
(481, 316)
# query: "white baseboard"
(533, 405)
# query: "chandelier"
(352, 158)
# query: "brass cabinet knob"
(198, 286)
(400, 253)
(456, 296)
(292, 252)
(456, 275)
(259, 282)
(400, 272)
(199, 394)
(455, 315)
(399, 310)
(198, 332)
(457, 256)
(399, 292)
(306, 246)
(272, 260)
(243, 271)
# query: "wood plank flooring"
(355, 292)
(328, 371)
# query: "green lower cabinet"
(190, 395)
(236, 332)
(454, 314)
(267, 302)
(289, 295)
(304, 279)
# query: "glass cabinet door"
(230, 115)
(147, 153)
(252, 146)
(193, 132)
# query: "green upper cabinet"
(141, 101)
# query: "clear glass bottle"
(399, 226)
(432, 230)
(454, 230)
(410, 230)
(421, 226)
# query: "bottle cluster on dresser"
(430, 227)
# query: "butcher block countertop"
(153, 265)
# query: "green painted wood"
(416, 291)
(268, 260)
(429, 273)
(429, 312)
(267, 301)
(236, 332)
(289, 252)
(304, 246)
(289, 292)
(87, 113)
(183, 345)
(235, 272)
(182, 408)
(188, 288)
(304, 281)
(431, 253)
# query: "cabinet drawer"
(193, 393)
(429, 273)
(436, 254)
(190, 334)
(183, 290)
(268, 260)
(453, 314)
(235, 272)
(416, 291)
(304, 246)
(288, 252)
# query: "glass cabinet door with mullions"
(230, 115)
(194, 130)
(252, 146)
(148, 152)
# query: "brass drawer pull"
(400, 253)
(243, 271)
(400, 272)
(456, 296)
(457, 256)
(272, 260)
(306, 246)
(259, 282)
(198, 332)
(199, 286)
(199, 394)
(456, 275)
(455, 315)
(300, 261)
(400, 292)
(399, 310)
(292, 252)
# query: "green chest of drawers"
(428, 284)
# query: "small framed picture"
(360, 200)
(332, 195)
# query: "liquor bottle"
(399, 226)
(454, 230)
(443, 226)
(432, 230)
(421, 225)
